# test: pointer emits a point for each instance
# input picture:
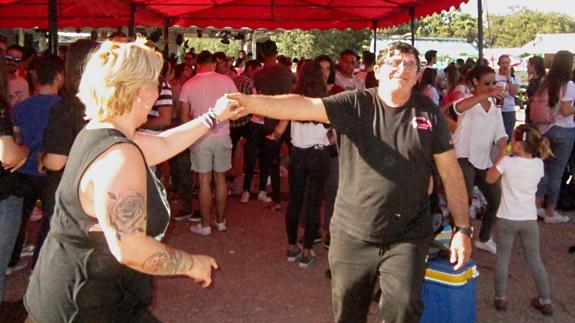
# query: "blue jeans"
(509, 123)
(10, 217)
(562, 140)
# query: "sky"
(500, 7)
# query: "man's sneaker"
(276, 207)
(199, 229)
(541, 213)
(500, 304)
(196, 217)
(556, 218)
(221, 226)
(182, 217)
(245, 197)
(294, 254)
(19, 266)
(263, 197)
(488, 246)
(306, 260)
(546, 309)
(28, 250)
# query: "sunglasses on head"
(488, 83)
(13, 58)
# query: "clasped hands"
(228, 108)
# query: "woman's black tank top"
(76, 278)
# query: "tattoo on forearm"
(170, 261)
(127, 213)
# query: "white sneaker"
(556, 218)
(488, 246)
(221, 226)
(540, 212)
(28, 250)
(245, 197)
(12, 269)
(263, 197)
(182, 217)
(199, 229)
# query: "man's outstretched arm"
(283, 107)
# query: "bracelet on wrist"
(208, 121)
(468, 231)
(214, 116)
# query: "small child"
(517, 213)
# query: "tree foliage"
(452, 24)
(214, 45)
(521, 26)
(309, 44)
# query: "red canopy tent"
(270, 14)
(74, 13)
(286, 14)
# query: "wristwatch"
(468, 231)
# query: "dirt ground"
(255, 283)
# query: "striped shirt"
(164, 99)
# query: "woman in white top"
(520, 174)
(428, 84)
(479, 126)
(308, 170)
(561, 134)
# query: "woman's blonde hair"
(113, 75)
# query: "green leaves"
(521, 26)
(309, 44)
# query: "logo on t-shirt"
(421, 123)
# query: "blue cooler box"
(448, 295)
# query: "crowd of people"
(374, 146)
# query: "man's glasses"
(14, 59)
(490, 83)
(411, 66)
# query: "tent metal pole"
(131, 34)
(480, 29)
(374, 27)
(53, 26)
(166, 38)
(412, 15)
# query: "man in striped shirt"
(160, 117)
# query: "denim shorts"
(212, 154)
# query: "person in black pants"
(388, 138)
(272, 79)
(308, 170)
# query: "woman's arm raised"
(161, 147)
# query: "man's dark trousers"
(356, 265)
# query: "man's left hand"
(460, 250)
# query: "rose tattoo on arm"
(127, 213)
